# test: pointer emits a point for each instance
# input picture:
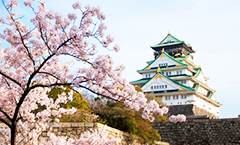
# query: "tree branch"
(8, 117)
(16, 82)
(5, 122)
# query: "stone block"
(56, 125)
(74, 124)
(89, 125)
(66, 125)
(98, 125)
(80, 124)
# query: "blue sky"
(212, 27)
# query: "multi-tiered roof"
(172, 74)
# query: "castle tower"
(177, 81)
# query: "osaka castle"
(177, 80)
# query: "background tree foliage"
(119, 116)
(112, 113)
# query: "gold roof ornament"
(168, 31)
(147, 68)
(182, 89)
(158, 69)
(200, 66)
(162, 50)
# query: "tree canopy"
(30, 66)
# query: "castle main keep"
(177, 80)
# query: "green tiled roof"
(197, 86)
(170, 80)
(171, 92)
(181, 77)
(142, 70)
(167, 56)
(175, 59)
(139, 81)
(178, 83)
(149, 61)
(166, 44)
(146, 70)
(172, 37)
(198, 72)
(211, 94)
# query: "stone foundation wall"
(190, 110)
(200, 132)
(72, 130)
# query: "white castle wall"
(155, 86)
(190, 99)
(202, 90)
(163, 60)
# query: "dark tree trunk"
(13, 133)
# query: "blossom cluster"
(92, 137)
(31, 66)
(177, 118)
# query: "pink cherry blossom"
(76, 5)
(28, 3)
(116, 48)
(31, 65)
(178, 118)
(72, 16)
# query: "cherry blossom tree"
(30, 66)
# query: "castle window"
(169, 73)
(168, 98)
(177, 97)
(173, 97)
(180, 72)
(165, 86)
(151, 87)
(154, 87)
(166, 73)
(184, 97)
(157, 87)
(163, 64)
(160, 87)
(177, 72)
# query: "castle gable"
(164, 60)
(169, 39)
(161, 82)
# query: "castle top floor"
(173, 46)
